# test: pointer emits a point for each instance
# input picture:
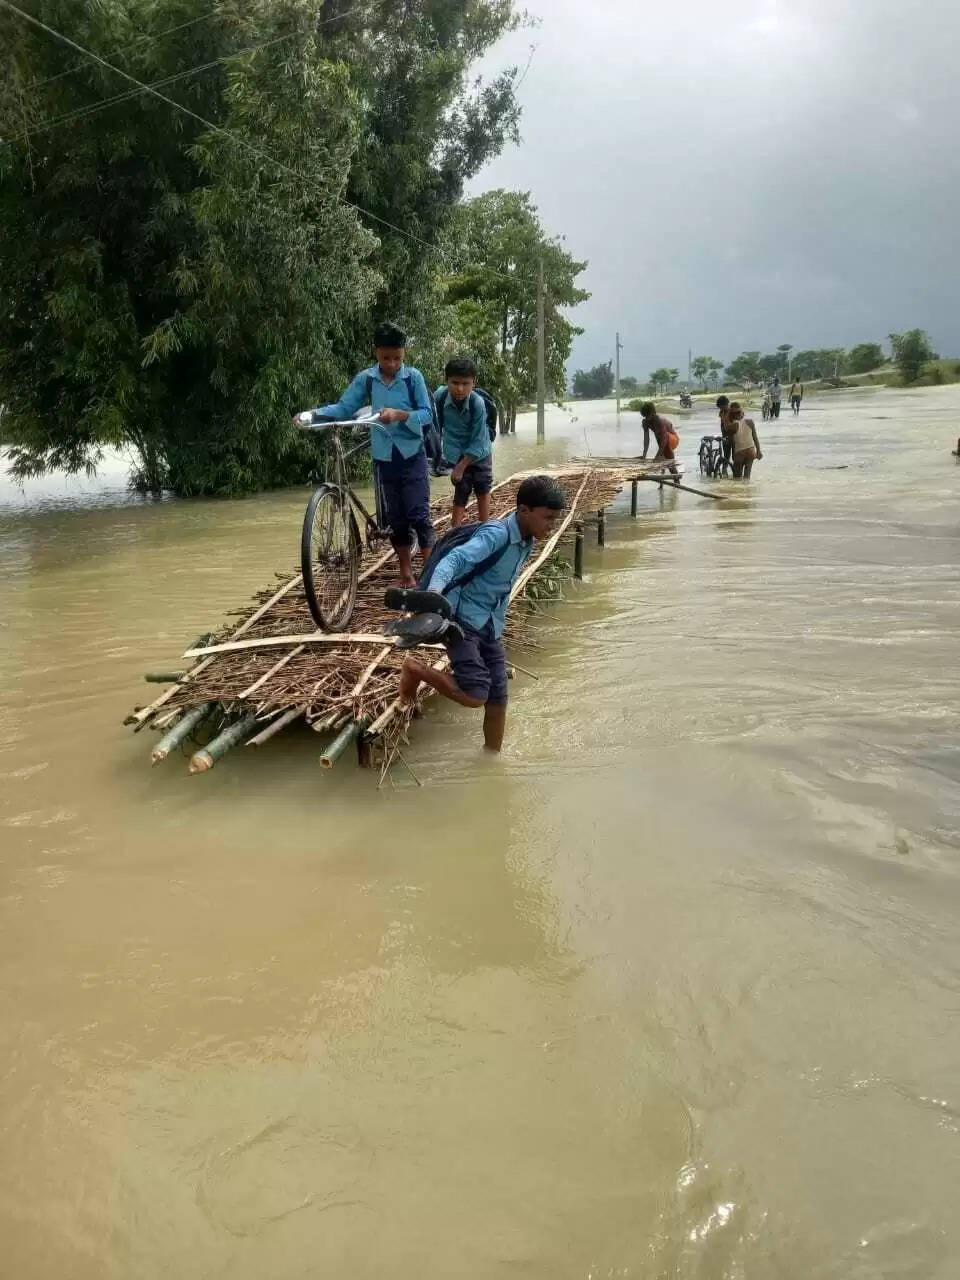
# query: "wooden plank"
(267, 642)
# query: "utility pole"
(689, 366)
(616, 384)
(541, 358)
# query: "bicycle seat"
(423, 628)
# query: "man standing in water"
(796, 395)
(726, 430)
(775, 395)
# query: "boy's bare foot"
(408, 581)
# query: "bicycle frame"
(373, 524)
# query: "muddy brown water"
(670, 990)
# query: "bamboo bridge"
(249, 682)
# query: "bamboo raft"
(274, 669)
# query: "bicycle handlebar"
(327, 424)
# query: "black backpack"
(448, 542)
(488, 403)
(431, 434)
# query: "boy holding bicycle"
(399, 395)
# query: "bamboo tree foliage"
(178, 291)
(492, 299)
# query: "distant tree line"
(911, 352)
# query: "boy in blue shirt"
(478, 676)
(399, 395)
(466, 441)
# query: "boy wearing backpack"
(466, 439)
(399, 395)
(476, 570)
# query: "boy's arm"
(350, 403)
(487, 539)
(756, 440)
(646, 439)
(422, 416)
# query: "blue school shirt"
(464, 426)
(406, 435)
(485, 598)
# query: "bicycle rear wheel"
(330, 558)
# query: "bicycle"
(330, 541)
(712, 461)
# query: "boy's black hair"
(541, 491)
(460, 367)
(388, 334)
(722, 401)
(647, 409)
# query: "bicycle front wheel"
(330, 558)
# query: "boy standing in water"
(746, 444)
(466, 441)
(796, 395)
(499, 549)
(400, 396)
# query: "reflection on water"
(668, 990)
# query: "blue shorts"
(480, 665)
(477, 478)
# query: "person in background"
(466, 441)
(776, 392)
(726, 435)
(399, 395)
(479, 601)
(662, 431)
(746, 444)
(796, 395)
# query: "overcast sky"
(741, 173)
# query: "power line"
(242, 143)
(38, 84)
(81, 113)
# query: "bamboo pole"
(674, 484)
(182, 729)
(272, 671)
(208, 756)
(266, 642)
(549, 545)
(275, 726)
(164, 677)
(335, 750)
(368, 671)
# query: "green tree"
(702, 367)
(178, 291)
(864, 357)
(911, 351)
(715, 369)
(629, 384)
(745, 368)
(662, 378)
(595, 383)
(492, 299)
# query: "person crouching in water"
(662, 431)
(466, 441)
(478, 675)
(746, 444)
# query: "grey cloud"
(745, 173)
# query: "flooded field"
(669, 990)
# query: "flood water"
(669, 990)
